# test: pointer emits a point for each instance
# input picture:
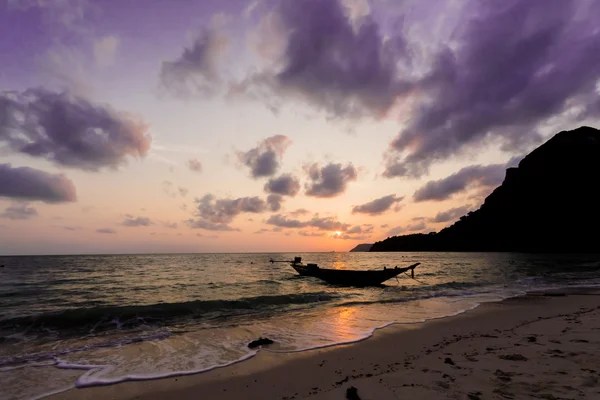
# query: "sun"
(338, 233)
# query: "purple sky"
(274, 125)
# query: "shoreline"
(382, 366)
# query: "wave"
(431, 295)
(102, 318)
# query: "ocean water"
(88, 320)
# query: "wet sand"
(543, 345)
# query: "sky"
(274, 125)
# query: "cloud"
(169, 224)
(105, 50)
(207, 236)
(451, 214)
(377, 206)
(360, 229)
(194, 164)
(310, 234)
(329, 55)
(328, 224)
(216, 214)
(67, 31)
(356, 232)
(284, 222)
(209, 226)
(474, 176)
(70, 131)
(264, 159)
(419, 226)
(66, 66)
(285, 184)
(321, 223)
(514, 66)
(106, 231)
(225, 210)
(168, 188)
(64, 15)
(19, 211)
(274, 202)
(197, 71)
(32, 184)
(330, 180)
(139, 221)
(351, 237)
(183, 191)
(299, 212)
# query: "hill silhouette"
(362, 247)
(550, 203)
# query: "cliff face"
(550, 203)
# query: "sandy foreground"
(541, 346)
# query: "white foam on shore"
(93, 377)
(52, 393)
(372, 332)
(95, 373)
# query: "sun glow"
(338, 233)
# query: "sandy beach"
(542, 345)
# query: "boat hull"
(351, 277)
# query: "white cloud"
(105, 50)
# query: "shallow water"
(88, 320)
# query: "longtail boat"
(347, 277)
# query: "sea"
(86, 320)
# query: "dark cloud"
(183, 191)
(138, 221)
(274, 202)
(69, 131)
(71, 228)
(299, 212)
(451, 214)
(196, 70)
(216, 214)
(223, 211)
(328, 224)
(377, 206)
(348, 69)
(285, 184)
(330, 180)
(284, 222)
(264, 159)
(419, 226)
(32, 184)
(19, 211)
(106, 231)
(194, 164)
(321, 223)
(360, 229)
(514, 66)
(474, 176)
(209, 226)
